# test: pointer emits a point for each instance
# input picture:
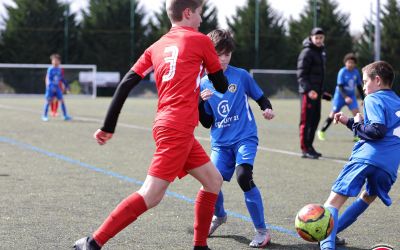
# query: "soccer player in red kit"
(178, 60)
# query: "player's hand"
(102, 137)
(358, 118)
(313, 95)
(348, 100)
(206, 94)
(268, 114)
(340, 117)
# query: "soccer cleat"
(201, 248)
(321, 135)
(312, 149)
(54, 114)
(216, 222)
(356, 139)
(310, 155)
(340, 241)
(67, 118)
(86, 243)
(261, 239)
(45, 118)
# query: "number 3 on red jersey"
(173, 52)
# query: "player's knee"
(244, 177)
(367, 198)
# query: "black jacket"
(311, 68)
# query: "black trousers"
(310, 115)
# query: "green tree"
(106, 34)
(272, 38)
(161, 23)
(390, 49)
(364, 45)
(35, 29)
(338, 40)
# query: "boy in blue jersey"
(348, 79)
(234, 134)
(53, 77)
(375, 158)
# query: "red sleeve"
(211, 60)
(143, 66)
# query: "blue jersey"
(381, 107)
(54, 76)
(349, 80)
(233, 118)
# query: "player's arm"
(371, 132)
(361, 91)
(205, 119)
(130, 80)
(264, 103)
(219, 81)
(303, 70)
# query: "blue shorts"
(227, 158)
(53, 91)
(353, 177)
(338, 102)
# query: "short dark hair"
(317, 31)
(382, 69)
(56, 56)
(222, 40)
(350, 56)
(176, 7)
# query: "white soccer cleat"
(216, 222)
(261, 239)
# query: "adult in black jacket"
(310, 76)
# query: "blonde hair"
(382, 69)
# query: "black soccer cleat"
(310, 155)
(312, 149)
(201, 248)
(87, 243)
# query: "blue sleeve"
(49, 76)
(251, 87)
(340, 80)
(374, 111)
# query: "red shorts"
(176, 153)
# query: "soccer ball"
(314, 223)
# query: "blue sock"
(64, 109)
(351, 214)
(46, 109)
(255, 206)
(219, 206)
(329, 243)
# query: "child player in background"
(345, 94)
(53, 77)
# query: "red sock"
(124, 214)
(203, 213)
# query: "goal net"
(19, 78)
(277, 82)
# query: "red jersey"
(178, 60)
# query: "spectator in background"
(310, 76)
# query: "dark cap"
(317, 31)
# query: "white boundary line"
(126, 125)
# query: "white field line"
(125, 125)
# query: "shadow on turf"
(273, 245)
